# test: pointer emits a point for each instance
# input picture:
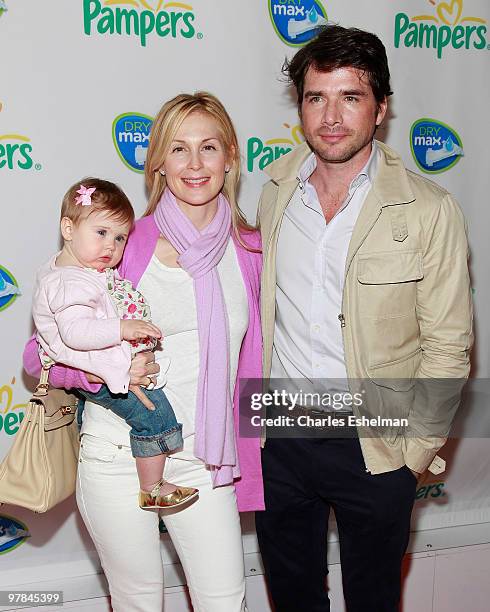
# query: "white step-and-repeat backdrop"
(80, 81)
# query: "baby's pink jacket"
(78, 324)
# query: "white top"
(311, 258)
(170, 294)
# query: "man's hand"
(133, 329)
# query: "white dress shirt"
(311, 258)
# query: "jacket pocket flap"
(389, 267)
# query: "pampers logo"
(261, 154)
(13, 533)
(131, 133)
(141, 18)
(296, 21)
(11, 414)
(15, 153)
(436, 147)
(9, 289)
(431, 491)
(447, 27)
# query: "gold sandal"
(153, 499)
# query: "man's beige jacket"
(406, 304)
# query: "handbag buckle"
(65, 410)
(41, 389)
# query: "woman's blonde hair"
(165, 126)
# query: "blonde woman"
(197, 262)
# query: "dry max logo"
(11, 414)
(15, 153)
(131, 134)
(448, 27)
(261, 154)
(296, 21)
(9, 289)
(436, 147)
(13, 533)
(140, 18)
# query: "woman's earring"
(227, 169)
(162, 171)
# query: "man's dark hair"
(338, 47)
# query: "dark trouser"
(303, 479)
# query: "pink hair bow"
(85, 197)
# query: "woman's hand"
(142, 372)
(143, 369)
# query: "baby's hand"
(133, 329)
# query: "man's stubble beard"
(341, 156)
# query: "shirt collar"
(367, 173)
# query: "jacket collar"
(390, 187)
(287, 167)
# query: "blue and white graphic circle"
(436, 147)
(297, 22)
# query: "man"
(365, 281)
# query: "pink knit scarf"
(199, 254)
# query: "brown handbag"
(39, 470)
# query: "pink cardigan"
(78, 325)
(141, 246)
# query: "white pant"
(206, 535)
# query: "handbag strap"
(43, 384)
